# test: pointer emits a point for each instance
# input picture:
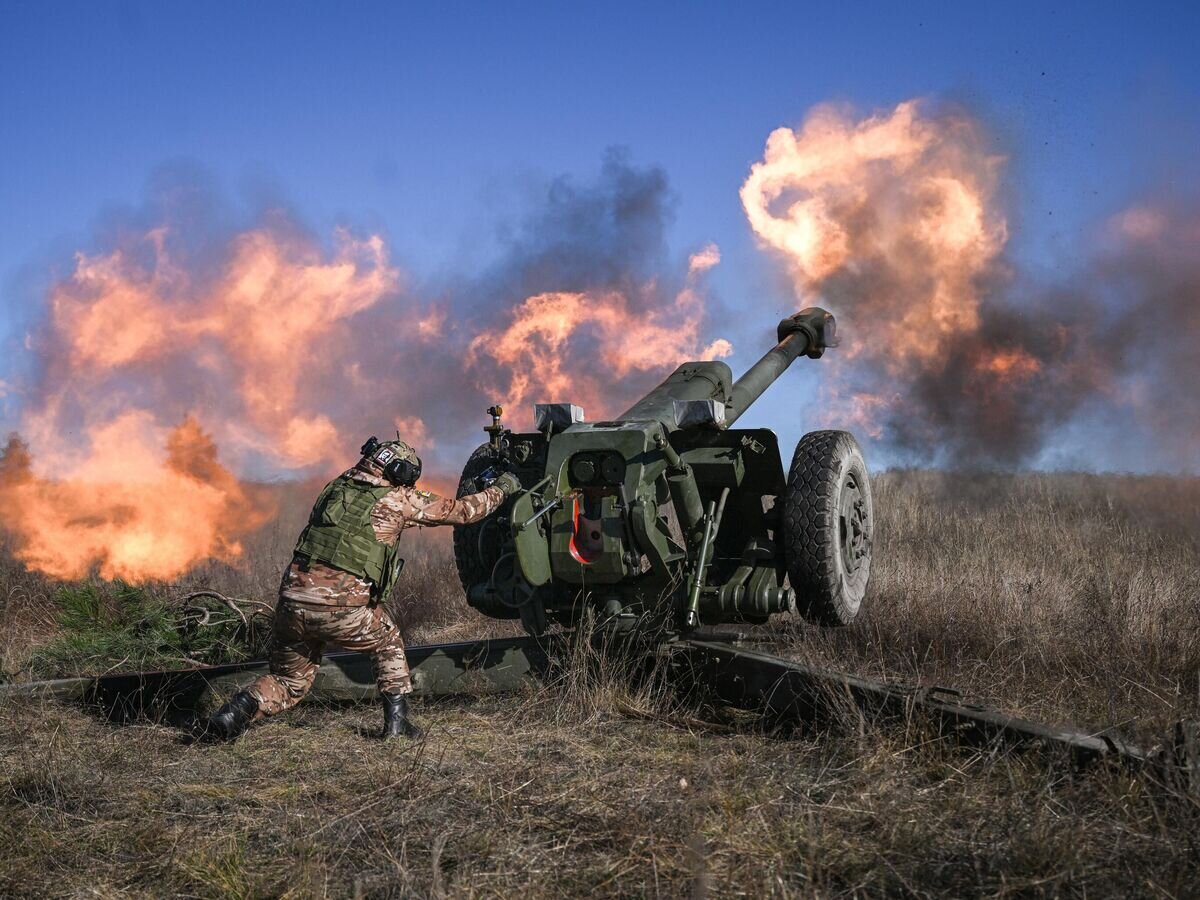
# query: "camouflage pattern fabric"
(316, 584)
(320, 604)
(408, 506)
(299, 639)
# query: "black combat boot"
(396, 722)
(231, 719)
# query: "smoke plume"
(893, 221)
(180, 358)
(185, 355)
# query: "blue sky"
(421, 121)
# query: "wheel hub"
(852, 529)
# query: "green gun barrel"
(807, 333)
(665, 517)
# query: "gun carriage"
(660, 520)
(668, 516)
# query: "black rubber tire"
(475, 557)
(828, 526)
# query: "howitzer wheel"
(828, 525)
(478, 547)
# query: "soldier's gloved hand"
(508, 482)
(484, 479)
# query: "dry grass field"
(1062, 597)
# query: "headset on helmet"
(399, 462)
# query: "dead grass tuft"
(1068, 597)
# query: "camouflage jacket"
(316, 584)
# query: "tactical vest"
(340, 534)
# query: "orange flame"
(1009, 365)
(129, 507)
(149, 370)
(905, 194)
(262, 320)
(569, 347)
(894, 218)
(152, 364)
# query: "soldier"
(343, 569)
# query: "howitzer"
(660, 520)
(668, 516)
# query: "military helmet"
(398, 461)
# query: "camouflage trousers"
(299, 639)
